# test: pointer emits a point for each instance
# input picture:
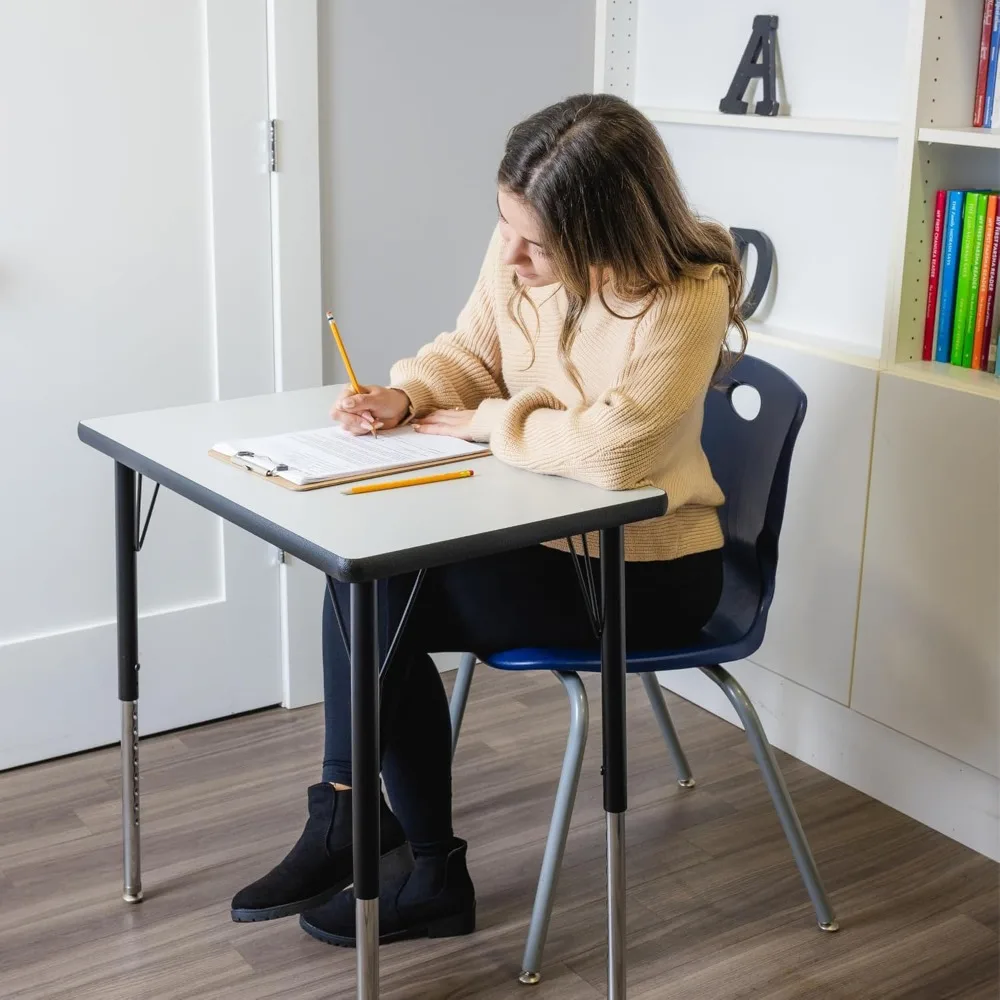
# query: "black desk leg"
(128, 677)
(615, 766)
(365, 783)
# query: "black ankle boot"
(435, 899)
(320, 864)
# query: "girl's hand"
(452, 423)
(374, 407)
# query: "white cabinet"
(928, 650)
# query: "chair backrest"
(750, 460)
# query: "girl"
(586, 348)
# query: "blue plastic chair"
(750, 459)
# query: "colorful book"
(949, 273)
(989, 104)
(984, 251)
(991, 361)
(978, 241)
(979, 108)
(937, 234)
(991, 287)
(963, 285)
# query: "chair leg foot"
(830, 926)
(779, 794)
(659, 706)
(562, 812)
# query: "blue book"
(949, 273)
(991, 71)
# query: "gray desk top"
(355, 537)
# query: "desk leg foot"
(365, 782)
(132, 873)
(616, 905)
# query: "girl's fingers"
(443, 417)
(354, 424)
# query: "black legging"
(527, 597)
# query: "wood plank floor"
(716, 909)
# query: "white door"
(135, 272)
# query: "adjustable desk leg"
(615, 766)
(128, 677)
(365, 783)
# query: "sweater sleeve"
(461, 368)
(613, 442)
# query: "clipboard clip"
(263, 465)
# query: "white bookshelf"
(873, 624)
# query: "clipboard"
(265, 468)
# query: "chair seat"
(719, 642)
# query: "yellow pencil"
(419, 481)
(343, 357)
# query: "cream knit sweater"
(639, 421)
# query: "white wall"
(415, 103)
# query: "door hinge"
(272, 144)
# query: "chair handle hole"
(745, 401)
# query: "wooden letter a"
(760, 46)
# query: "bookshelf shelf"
(949, 377)
(778, 123)
(979, 138)
(810, 343)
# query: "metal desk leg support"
(365, 782)
(615, 767)
(128, 677)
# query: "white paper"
(332, 453)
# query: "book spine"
(991, 258)
(933, 275)
(949, 273)
(975, 274)
(991, 360)
(981, 266)
(990, 102)
(962, 303)
(991, 287)
(979, 107)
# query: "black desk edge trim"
(387, 564)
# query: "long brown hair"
(599, 179)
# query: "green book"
(964, 302)
(979, 240)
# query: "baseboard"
(939, 791)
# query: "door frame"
(293, 100)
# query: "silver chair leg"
(562, 813)
(779, 795)
(132, 881)
(657, 702)
(460, 696)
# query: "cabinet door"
(810, 633)
(928, 651)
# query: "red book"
(984, 61)
(932, 276)
(991, 291)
